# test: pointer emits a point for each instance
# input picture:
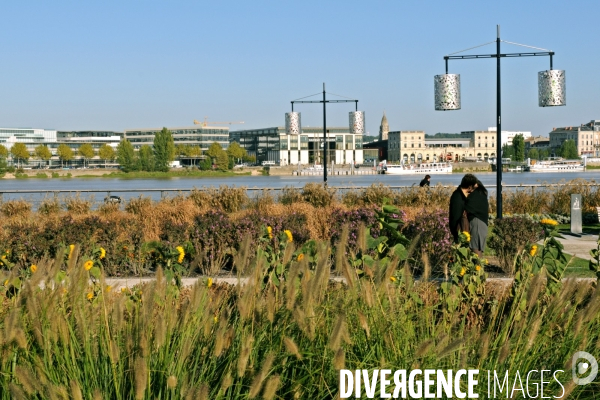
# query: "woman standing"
(477, 208)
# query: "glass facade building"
(274, 144)
(192, 136)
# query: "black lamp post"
(294, 126)
(551, 86)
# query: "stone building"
(586, 137)
(384, 128)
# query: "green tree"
(3, 151)
(205, 164)
(220, 157)
(164, 150)
(106, 152)
(534, 154)
(518, 144)
(568, 150)
(20, 152)
(87, 152)
(544, 154)
(146, 158)
(64, 153)
(126, 156)
(508, 151)
(194, 152)
(43, 152)
(235, 151)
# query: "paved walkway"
(579, 246)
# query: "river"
(120, 186)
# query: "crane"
(206, 122)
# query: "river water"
(121, 186)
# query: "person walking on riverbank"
(457, 218)
(477, 207)
(425, 181)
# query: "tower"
(384, 128)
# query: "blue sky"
(116, 65)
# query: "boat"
(416, 169)
(557, 164)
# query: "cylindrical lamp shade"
(357, 122)
(552, 88)
(292, 123)
(447, 92)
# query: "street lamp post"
(356, 122)
(551, 92)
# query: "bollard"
(576, 214)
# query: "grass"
(276, 340)
(171, 174)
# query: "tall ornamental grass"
(287, 330)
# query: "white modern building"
(202, 136)
(508, 136)
(32, 137)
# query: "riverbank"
(116, 173)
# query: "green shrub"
(510, 236)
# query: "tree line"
(517, 152)
(148, 158)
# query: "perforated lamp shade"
(357, 122)
(552, 90)
(447, 92)
(292, 123)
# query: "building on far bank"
(74, 139)
(32, 137)
(202, 136)
(414, 146)
(586, 137)
(537, 142)
(274, 144)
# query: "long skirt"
(479, 231)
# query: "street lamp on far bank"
(551, 92)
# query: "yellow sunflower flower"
(467, 236)
(102, 253)
(90, 295)
(209, 282)
(88, 265)
(300, 257)
(181, 254)
(393, 278)
(71, 248)
(463, 271)
(270, 232)
(288, 233)
(478, 268)
(533, 250)
(548, 221)
(33, 268)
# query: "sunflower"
(300, 257)
(90, 295)
(549, 222)
(71, 248)
(270, 232)
(463, 271)
(88, 265)
(181, 254)
(209, 282)
(33, 268)
(533, 250)
(102, 253)
(288, 233)
(467, 236)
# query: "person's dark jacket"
(477, 205)
(457, 206)
(424, 182)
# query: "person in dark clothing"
(457, 202)
(477, 207)
(425, 181)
